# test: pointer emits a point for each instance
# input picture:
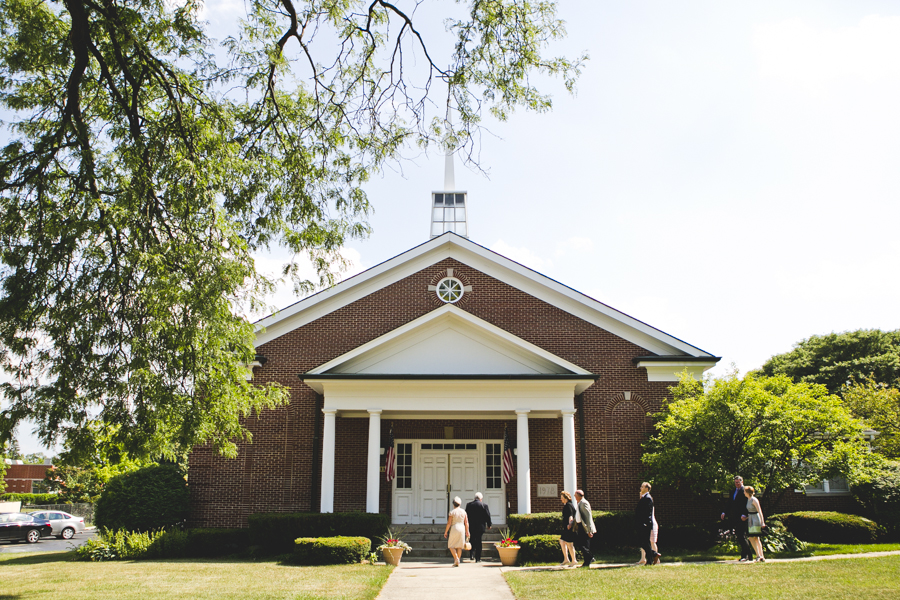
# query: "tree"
(147, 166)
(837, 359)
(879, 406)
(777, 434)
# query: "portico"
(447, 365)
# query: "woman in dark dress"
(567, 537)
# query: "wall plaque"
(547, 490)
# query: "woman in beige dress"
(458, 528)
(755, 522)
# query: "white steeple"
(448, 208)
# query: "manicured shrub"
(208, 543)
(535, 523)
(338, 550)
(829, 527)
(615, 529)
(150, 498)
(274, 533)
(539, 548)
(691, 536)
(31, 498)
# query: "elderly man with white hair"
(479, 520)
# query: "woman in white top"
(458, 528)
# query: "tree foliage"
(145, 167)
(777, 434)
(878, 405)
(838, 359)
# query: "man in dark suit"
(479, 519)
(736, 513)
(643, 515)
(584, 528)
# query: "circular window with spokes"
(450, 289)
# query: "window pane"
(448, 227)
(437, 214)
(838, 484)
(460, 214)
(448, 199)
(461, 229)
(460, 198)
(449, 214)
(438, 199)
(437, 228)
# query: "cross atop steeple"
(448, 208)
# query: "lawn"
(53, 576)
(869, 578)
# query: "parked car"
(16, 527)
(64, 525)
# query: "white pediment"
(449, 341)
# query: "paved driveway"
(47, 544)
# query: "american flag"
(390, 462)
(508, 467)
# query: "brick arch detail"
(619, 398)
(458, 273)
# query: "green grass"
(53, 576)
(676, 555)
(869, 578)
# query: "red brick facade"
(280, 470)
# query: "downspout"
(584, 484)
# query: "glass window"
(460, 198)
(438, 214)
(449, 214)
(460, 214)
(404, 466)
(449, 289)
(838, 484)
(55, 516)
(448, 199)
(426, 446)
(492, 456)
(462, 230)
(438, 199)
(437, 228)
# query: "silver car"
(64, 525)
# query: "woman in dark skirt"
(567, 537)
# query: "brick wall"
(280, 470)
(19, 477)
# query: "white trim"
(670, 370)
(478, 257)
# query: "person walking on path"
(736, 513)
(585, 528)
(458, 528)
(643, 514)
(755, 522)
(479, 515)
(567, 536)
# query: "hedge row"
(829, 527)
(616, 529)
(30, 498)
(539, 549)
(174, 543)
(275, 533)
(338, 550)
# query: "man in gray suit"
(584, 527)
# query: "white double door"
(443, 475)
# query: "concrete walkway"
(440, 580)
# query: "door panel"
(434, 486)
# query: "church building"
(438, 360)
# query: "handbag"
(468, 545)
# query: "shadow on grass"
(35, 559)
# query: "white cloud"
(574, 245)
(812, 57)
(523, 255)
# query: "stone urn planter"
(392, 556)
(508, 555)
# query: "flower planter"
(508, 555)
(392, 556)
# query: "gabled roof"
(449, 341)
(450, 245)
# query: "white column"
(373, 481)
(570, 475)
(327, 503)
(523, 464)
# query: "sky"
(728, 173)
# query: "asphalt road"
(47, 544)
